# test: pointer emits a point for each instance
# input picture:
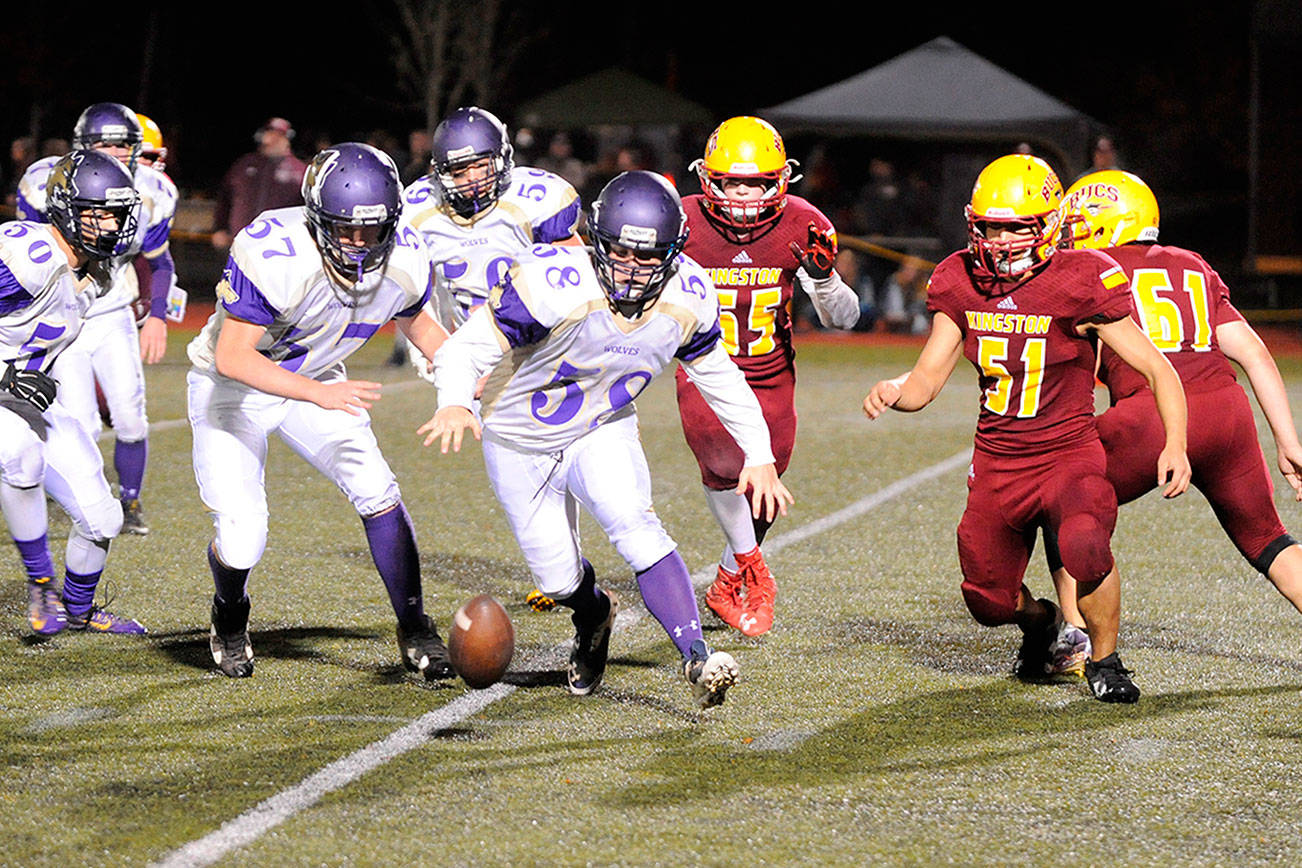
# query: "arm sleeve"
(724, 388)
(835, 302)
(161, 270)
(472, 351)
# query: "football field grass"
(876, 724)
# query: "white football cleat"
(710, 673)
(1069, 651)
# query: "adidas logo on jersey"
(742, 258)
(1007, 303)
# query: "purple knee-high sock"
(230, 584)
(393, 548)
(667, 591)
(129, 461)
(36, 557)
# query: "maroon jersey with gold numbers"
(1036, 372)
(1179, 301)
(754, 281)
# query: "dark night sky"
(1171, 80)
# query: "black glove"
(818, 255)
(34, 387)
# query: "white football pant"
(107, 350)
(70, 466)
(231, 422)
(606, 473)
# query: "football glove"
(819, 253)
(34, 387)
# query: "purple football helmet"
(110, 123)
(353, 198)
(86, 189)
(639, 212)
(465, 137)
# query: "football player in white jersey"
(110, 347)
(304, 288)
(476, 210)
(571, 337)
(49, 276)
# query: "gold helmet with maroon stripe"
(750, 148)
(1108, 209)
(1020, 192)
(152, 150)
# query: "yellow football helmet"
(1108, 209)
(745, 147)
(152, 152)
(1022, 193)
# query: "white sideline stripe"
(268, 814)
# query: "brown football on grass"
(482, 642)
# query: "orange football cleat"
(761, 590)
(724, 597)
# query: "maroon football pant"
(718, 455)
(1009, 499)
(1228, 467)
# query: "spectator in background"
(417, 165)
(267, 178)
(22, 153)
(560, 160)
(1103, 155)
(55, 147)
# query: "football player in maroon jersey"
(1026, 317)
(755, 240)
(1185, 307)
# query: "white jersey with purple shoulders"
(41, 305)
(158, 198)
(562, 362)
(277, 278)
(470, 256)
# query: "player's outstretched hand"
(1290, 464)
(448, 426)
(884, 394)
(153, 340)
(769, 496)
(818, 255)
(1173, 472)
(351, 396)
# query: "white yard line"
(265, 816)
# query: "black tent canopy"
(941, 91)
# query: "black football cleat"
(229, 639)
(133, 518)
(1035, 656)
(1110, 681)
(591, 648)
(423, 651)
